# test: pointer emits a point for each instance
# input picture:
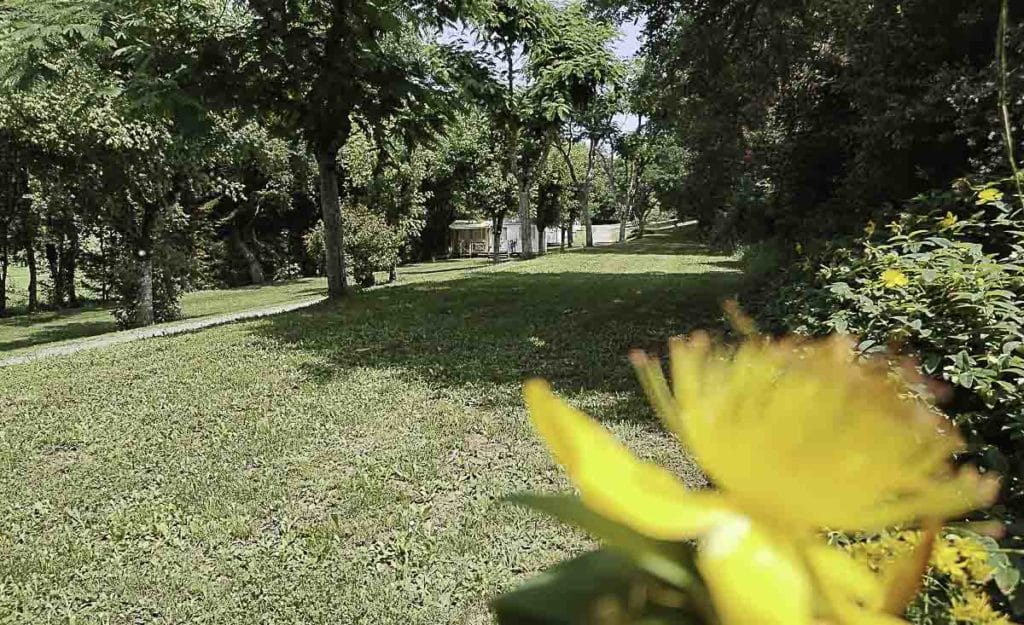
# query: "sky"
(629, 43)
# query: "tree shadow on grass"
(493, 330)
(64, 332)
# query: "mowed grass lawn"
(22, 333)
(340, 464)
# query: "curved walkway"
(169, 329)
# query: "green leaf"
(672, 562)
(595, 584)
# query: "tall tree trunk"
(525, 226)
(256, 275)
(4, 260)
(3, 284)
(563, 235)
(542, 241)
(71, 265)
(144, 314)
(497, 223)
(145, 311)
(393, 273)
(622, 229)
(585, 213)
(330, 207)
(56, 277)
(33, 276)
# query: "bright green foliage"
(372, 245)
(943, 284)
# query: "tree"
(547, 61)
(258, 180)
(830, 110)
(316, 66)
(591, 125)
(115, 146)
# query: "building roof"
(468, 224)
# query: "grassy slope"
(340, 464)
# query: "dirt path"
(170, 329)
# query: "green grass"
(25, 331)
(17, 288)
(22, 333)
(340, 464)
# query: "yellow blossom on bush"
(948, 221)
(959, 568)
(975, 608)
(893, 278)
(989, 195)
(870, 229)
(797, 438)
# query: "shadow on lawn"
(494, 330)
(64, 332)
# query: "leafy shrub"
(962, 567)
(943, 284)
(370, 244)
(168, 286)
(315, 247)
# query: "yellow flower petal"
(989, 195)
(777, 425)
(893, 278)
(849, 580)
(754, 576)
(612, 481)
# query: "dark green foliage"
(826, 108)
(960, 313)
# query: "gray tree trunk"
(144, 312)
(33, 277)
(585, 213)
(622, 229)
(3, 271)
(330, 207)
(496, 226)
(74, 246)
(542, 242)
(256, 275)
(525, 226)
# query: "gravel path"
(138, 334)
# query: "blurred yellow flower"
(870, 228)
(799, 248)
(797, 439)
(989, 195)
(948, 221)
(893, 278)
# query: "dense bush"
(943, 283)
(370, 244)
(962, 569)
(168, 285)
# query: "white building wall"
(603, 235)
